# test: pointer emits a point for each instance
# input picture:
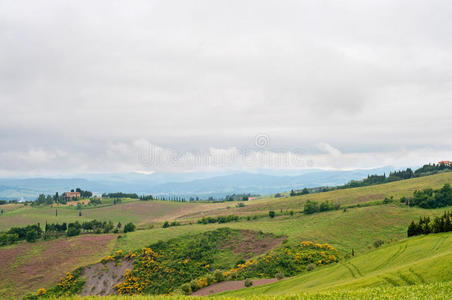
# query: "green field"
(141, 213)
(356, 228)
(435, 291)
(419, 260)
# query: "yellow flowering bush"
(41, 292)
(70, 284)
(288, 261)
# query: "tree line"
(375, 179)
(429, 169)
(58, 199)
(120, 195)
(311, 207)
(430, 198)
(31, 233)
(304, 191)
(426, 225)
(219, 219)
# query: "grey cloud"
(364, 78)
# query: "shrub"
(219, 276)
(41, 292)
(310, 267)
(31, 236)
(186, 289)
(279, 276)
(311, 207)
(271, 214)
(248, 282)
(129, 227)
(73, 231)
(378, 243)
(166, 224)
(194, 286)
(239, 262)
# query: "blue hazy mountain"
(202, 184)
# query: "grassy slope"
(138, 212)
(435, 291)
(344, 197)
(418, 260)
(357, 228)
(26, 267)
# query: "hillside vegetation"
(417, 260)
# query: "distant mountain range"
(202, 184)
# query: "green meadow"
(418, 260)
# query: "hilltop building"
(447, 163)
(71, 195)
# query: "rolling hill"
(356, 228)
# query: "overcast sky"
(119, 86)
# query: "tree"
(129, 227)
(72, 231)
(271, 214)
(79, 213)
(311, 207)
(412, 229)
(31, 235)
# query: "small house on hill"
(71, 195)
(447, 163)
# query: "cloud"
(88, 88)
(143, 157)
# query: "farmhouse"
(447, 163)
(71, 195)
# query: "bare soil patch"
(102, 278)
(230, 286)
(253, 243)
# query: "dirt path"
(229, 286)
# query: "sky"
(176, 86)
